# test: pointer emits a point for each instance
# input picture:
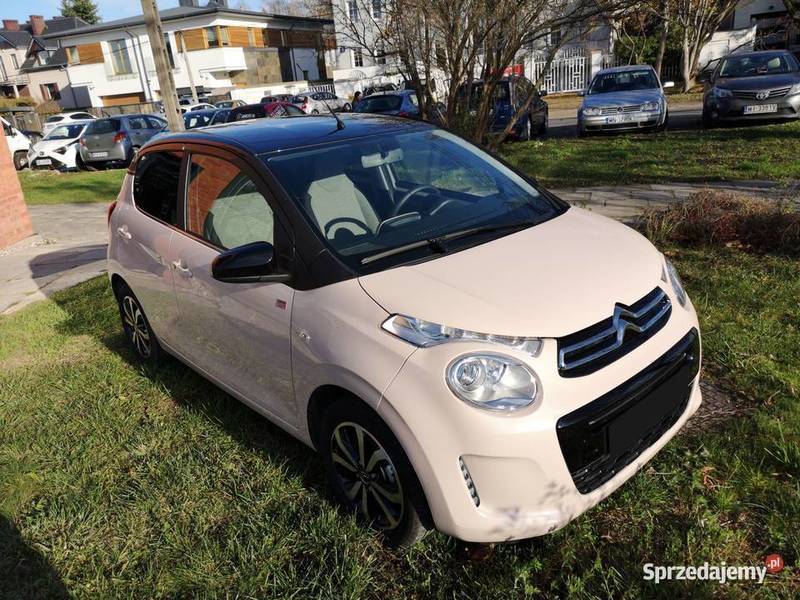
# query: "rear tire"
(20, 160)
(136, 327)
(370, 473)
(542, 129)
(708, 121)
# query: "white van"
(18, 144)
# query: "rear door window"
(156, 184)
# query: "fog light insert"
(473, 491)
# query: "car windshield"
(624, 81)
(103, 126)
(750, 65)
(372, 197)
(373, 104)
(65, 132)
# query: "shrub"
(717, 218)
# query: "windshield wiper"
(439, 244)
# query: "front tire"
(370, 473)
(315, 112)
(136, 327)
(20, 160)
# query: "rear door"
(143, 231)
(236, 332)
(138, 130)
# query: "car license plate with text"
(760, 108)
(44, 161)
(620, 118)
(99, 154)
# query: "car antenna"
(339, 122)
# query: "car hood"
(546, 281)
(622, 98)
(50, 145)
(759, 82)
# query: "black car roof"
(268, 135)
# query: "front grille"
(751, 94)
(603, 437)
(615, 110)
(593, 348)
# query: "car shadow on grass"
(92, 310)
(24, 572)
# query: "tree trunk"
(662, 40)
(686, 63)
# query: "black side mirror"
(7, 129)
(251, 263)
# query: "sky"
(108, 9)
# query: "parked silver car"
(753, 86)
(314, 103)
(115, 141)
(624, 98)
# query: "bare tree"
(299, 8)
(793, 8)
(457, 42)
(698, 20)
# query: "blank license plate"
(760, 108)
(44, 161)
(99, 154)
(620, 118)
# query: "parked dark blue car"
(401, 103)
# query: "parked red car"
(262, 111)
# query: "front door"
(236, 332)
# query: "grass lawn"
(766, 152)
(52, 187)
(118, 482)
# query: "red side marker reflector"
(280, 304)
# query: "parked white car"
(65, 119)
(59, 148)
(199, 106)
(314, 103)
(18, 144)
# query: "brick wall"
(15, 224)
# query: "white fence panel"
(564, 75)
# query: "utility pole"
(188, 68)
(152, 21)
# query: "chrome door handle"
(123, 232)
(181, 268)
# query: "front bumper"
(623, 121)
(732, 109)
(528, 478)
(52, 160)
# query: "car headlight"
(61, 150)
(650, 106)
(423, 334)
(492, 381)
(675, 281)
(592, 111)
(722, 93)
(795, 89)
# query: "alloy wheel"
(367, 475)
(136, 326)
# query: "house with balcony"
(29, 67)
(214, 48)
